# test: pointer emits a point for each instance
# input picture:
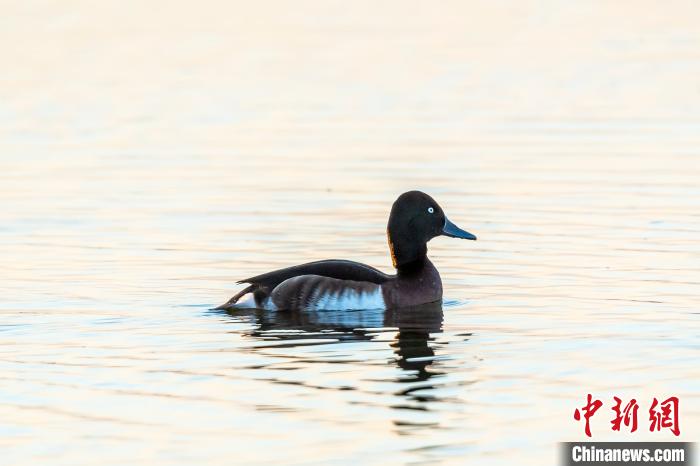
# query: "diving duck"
(334, 284)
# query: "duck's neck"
(407, 256)
(416, 267)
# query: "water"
(152, 154)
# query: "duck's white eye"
(430, 210)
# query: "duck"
(339, 285)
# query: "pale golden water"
(151, 154)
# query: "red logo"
(662, 415)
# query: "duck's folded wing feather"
(333, 268)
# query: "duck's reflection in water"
(415, 327)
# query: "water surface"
(151, 154)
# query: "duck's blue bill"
(453, 231)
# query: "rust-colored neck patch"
(391, 249)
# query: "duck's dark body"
(340, 284)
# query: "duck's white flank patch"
(247, 301)
(348, 300)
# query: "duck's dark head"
(415, 219)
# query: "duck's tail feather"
(231, 302)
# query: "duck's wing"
(262, 285)
(333, 268)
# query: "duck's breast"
(413, 289)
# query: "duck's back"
(332, 268)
